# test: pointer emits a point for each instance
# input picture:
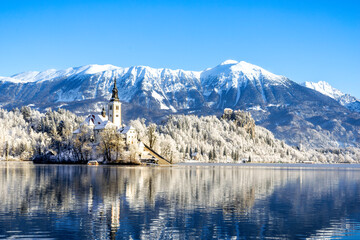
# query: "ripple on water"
(211, 201)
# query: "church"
(111, 120)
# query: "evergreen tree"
(214, 154)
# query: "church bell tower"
(114, 107)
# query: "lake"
(248, 201)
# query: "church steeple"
(114, 107)
(114, 96)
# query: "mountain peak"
(94, 68)
(229, 61)
(32, 76)
(240, 72)
(324, 88)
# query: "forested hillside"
(232, 138)
(28, 134)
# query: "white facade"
(114, 113)
(130, 134)
(112, 120)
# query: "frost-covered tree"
(81, 144)
(233, 137)
(27, 133)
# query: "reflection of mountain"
(182, 201)
(318, 200)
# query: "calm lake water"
(179, 202)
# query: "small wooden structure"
(93, 163)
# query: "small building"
(130, 134)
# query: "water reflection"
(89, 202)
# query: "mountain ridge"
(291, 111)
(348, 101)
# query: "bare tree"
(151, 134)
(111, 144)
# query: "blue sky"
(305, 40)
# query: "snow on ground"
(160, 100)
(256, 108)
(69, 96)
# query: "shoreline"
(325, 166)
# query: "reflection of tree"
(144, 201)
(64, 189)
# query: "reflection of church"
(112, 120)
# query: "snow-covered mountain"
(230, 84)
(227, 84)
(325, 88)
(292, 112)
(94, 82)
